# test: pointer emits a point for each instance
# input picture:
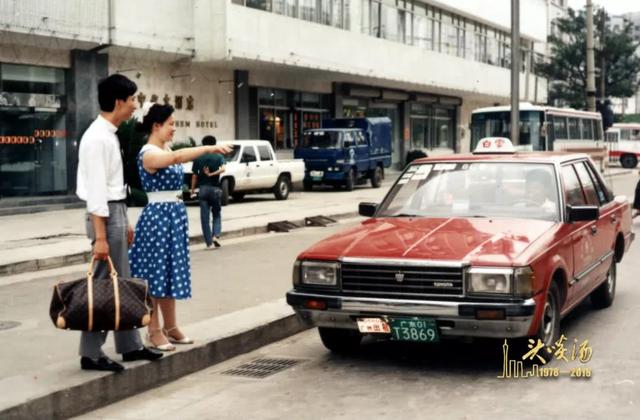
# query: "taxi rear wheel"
(603, 296)
(340, 340)
(549, 329)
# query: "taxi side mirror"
(367, 209)
(582, 213)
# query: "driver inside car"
(537, 187)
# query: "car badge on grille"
(442, 284)
(399, 277)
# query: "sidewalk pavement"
(57, 238)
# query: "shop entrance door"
(275, 127)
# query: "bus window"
(587, 129)
(635, 134)
(625, 134)
(560, 128)
(574, 129)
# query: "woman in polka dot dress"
(160, 251)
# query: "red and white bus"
(623, 141)
(541, 127)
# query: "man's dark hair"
(112, 88)
(209, 141)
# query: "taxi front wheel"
(549, 329)
(340, 340)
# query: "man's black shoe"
(144, 353)
(103, 363)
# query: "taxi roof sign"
(494, 145)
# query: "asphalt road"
(391, 380)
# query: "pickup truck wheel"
(376, 177)
(549, 328)
(224, 198)
(603, 296)
(628, 161)
(340, 340)
(237, 196)
(351, 180)
(282, 188)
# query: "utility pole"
(591, 80)
(603, 71)
(515, 72)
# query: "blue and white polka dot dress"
(160, 251)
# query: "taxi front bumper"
(452, 318)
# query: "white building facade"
(254, 69)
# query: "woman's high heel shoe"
(162, 347)
(183, 340)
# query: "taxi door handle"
(594, 230)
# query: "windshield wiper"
(405, 215)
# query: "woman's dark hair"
(157, 114)
(112, 88)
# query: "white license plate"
(316, 174)
(373, 325)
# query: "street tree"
(615, 52)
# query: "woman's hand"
(222, 149)
(207, 171)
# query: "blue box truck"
(346, 152)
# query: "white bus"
(541, 127)
(623, 140)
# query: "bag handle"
(112, 269)
(116, 293)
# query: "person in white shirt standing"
(100, 183)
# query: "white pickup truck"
(252, 167)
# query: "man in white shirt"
(100, 184)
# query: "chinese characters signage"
(578, 352)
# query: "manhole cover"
(7, 325)
(261, 368)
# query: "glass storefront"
(284, 115)
(432, 127)
(33, 136)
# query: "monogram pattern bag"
(111, 304)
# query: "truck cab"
(346, 152)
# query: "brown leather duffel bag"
(111, 304)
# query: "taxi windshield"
(475, 189)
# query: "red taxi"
(490, 244)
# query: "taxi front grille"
(410, 282)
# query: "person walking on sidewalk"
(160, 251)
(206, 174)
(100, 183)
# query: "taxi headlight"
(518, 281)
(319, 273)
(489, 280)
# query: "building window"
(33, 137)
(259, 4)
(308, 10)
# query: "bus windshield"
(498, 124)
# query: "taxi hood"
(481, 241)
